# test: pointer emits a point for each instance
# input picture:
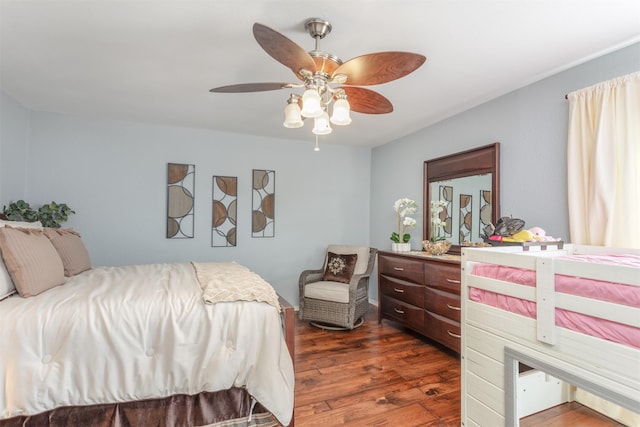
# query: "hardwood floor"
(374, 376)
(568, 415)
(388, 376)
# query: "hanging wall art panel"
(466, 217)
(485, 212)
(180, 200)
(224, 211)
(264, 196)
(446, 196)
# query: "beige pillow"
(6, 284)
(73, 254)
(31, 259)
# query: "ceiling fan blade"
(283, 50)
(367, 101)
(378, 68)
(251, 87)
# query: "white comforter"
(115, 334)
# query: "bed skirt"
(228, 408)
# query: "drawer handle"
(397, 310)
(457, 282)
(400, 291)
(453, 307)
(453, 335)
(398, 268)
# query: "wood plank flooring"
(374, 376)
(389, 376)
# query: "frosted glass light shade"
(341, 109)
(321, 125)
(292, 118)
(311, 103)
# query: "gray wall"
(531, 125)
(14, 135)
(113, 174)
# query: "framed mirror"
(462, 195)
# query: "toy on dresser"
(511, 230)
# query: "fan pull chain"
(317, 148)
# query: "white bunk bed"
(495, 340)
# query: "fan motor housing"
(326, 64)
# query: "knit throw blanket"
(230, 281)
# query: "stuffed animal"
(541, 236)
(520, 236)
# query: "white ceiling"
(155, 61)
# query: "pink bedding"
(589, 288)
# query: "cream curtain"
(604, 163)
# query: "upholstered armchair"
(337, 295)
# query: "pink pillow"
(31, 259)
(71, 250)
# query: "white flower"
(437, 206)
(409, 222)
(404, 207)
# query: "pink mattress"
(589, 288)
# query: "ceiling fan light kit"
(292, 114)
(341, 112)
(311, 103)
(320, 71)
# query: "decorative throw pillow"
(72, 251)
(31, 259)
(340, 267)
(6, 284)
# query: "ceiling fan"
(319, 72)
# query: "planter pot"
(400, 247)
(436, 248)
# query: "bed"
(588, 338)
(180, 344)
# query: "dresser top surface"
(454, 259)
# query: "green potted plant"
(20, 211)
(50, 214)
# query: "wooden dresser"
(421, 292)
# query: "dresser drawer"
(402, 268)
(443, 276)
(443, 330)
(443, 303)
(407, 314)
(403, 291)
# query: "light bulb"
(311, 103)
(321, 125)
(292, 118)
(340, 114)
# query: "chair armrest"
(310, 276)
(356, 278)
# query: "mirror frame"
(476, 161)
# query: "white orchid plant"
(404, 208)
(437, 224)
